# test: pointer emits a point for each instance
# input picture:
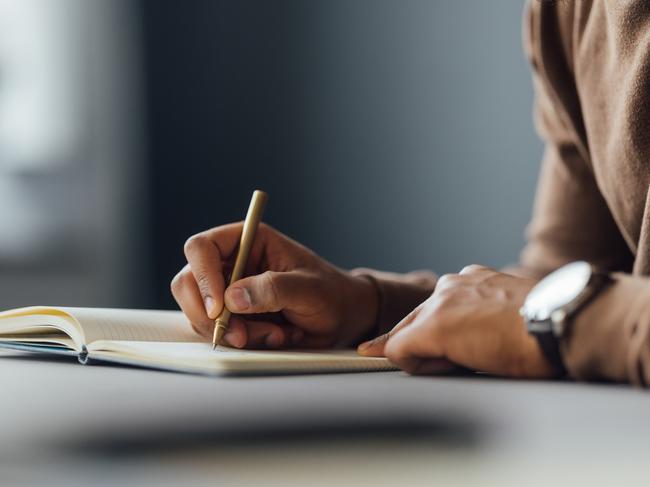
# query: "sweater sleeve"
(571, 220)
(610, 339)
(398, 294)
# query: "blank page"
(133, 325)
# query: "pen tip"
(219, 331)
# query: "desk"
(66, 423)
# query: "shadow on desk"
(449, 433)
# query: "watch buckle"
(558, 320)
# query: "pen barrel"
(224, 317)
(252, 221)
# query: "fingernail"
(274, 340)
(239, 299)
(365, 345)
(374, 341)
(209, 306)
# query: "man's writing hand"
(290, 297)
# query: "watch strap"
(550, 345)
(545, 332)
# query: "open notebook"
(158, 339)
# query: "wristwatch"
(555, 300)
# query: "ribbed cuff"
(609, 339)
(397, 295)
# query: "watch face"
(557, 290)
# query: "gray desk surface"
(65, 423)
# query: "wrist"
(597, 345)
(362, 309)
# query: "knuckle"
(203, 283)
(176, 283)
(468, 269)
(447, 280)
(180, 281)
(271, 283)
(194, 243)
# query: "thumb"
(265, 293)
(375, 347)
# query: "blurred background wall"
(72, 183)
(389, 134)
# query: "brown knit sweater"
(591, 71)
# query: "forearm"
(609, 339)
(398, 294)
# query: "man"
(591, 75)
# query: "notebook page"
(133, 325)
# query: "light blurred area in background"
(71, 154)
(394, 135)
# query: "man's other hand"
(471, 320)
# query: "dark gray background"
(395, 135)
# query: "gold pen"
(252, 221)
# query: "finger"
(237, 334)
(414, 345)
(260, 334)
(271, 291)
(227, 238)
(187, 295)
(206, 253)
(375, 347)
(204, 258)
(254, 334)
(265, 334)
